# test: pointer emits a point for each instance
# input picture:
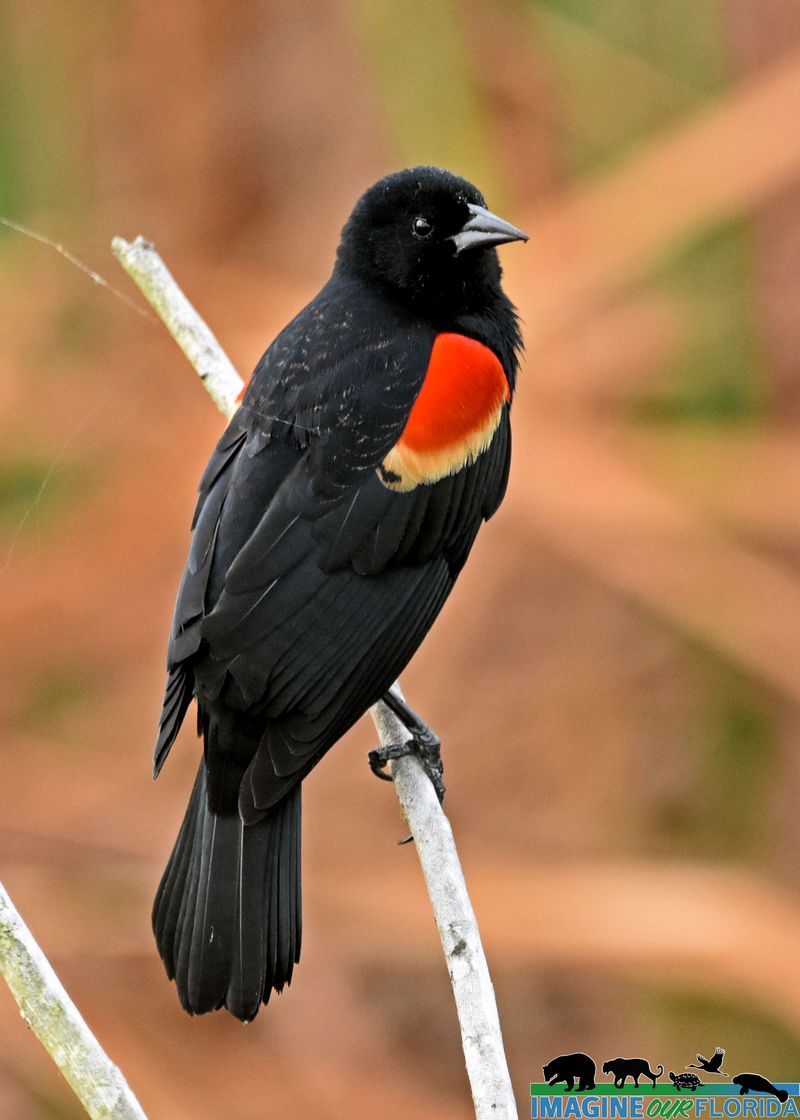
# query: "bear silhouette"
(571, 1068)
(754, 1082)
(623, 1068)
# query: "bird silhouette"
(712, 1064)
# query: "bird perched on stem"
(333, 519)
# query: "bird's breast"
(454, 416)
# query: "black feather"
(229, 891)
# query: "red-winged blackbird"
(333, 519)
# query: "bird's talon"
(426, 747)
(380, 758)
(425, 743)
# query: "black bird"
(712, 1064)
(333, 519)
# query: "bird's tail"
(227, 915)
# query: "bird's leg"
(424, 743)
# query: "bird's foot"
(424, 743)
(429, 753)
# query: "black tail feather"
(177, 698)
(171, 890)
(227, 915)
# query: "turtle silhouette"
(712, 1064)
(755, 1083)
(685, 1081)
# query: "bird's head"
(425, 237)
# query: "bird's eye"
(422, 227)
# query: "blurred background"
(617, 676)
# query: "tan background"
(617, 677)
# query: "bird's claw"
(380, 758)
(426, 746)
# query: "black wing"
(310, 584)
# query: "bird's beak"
(483, 228)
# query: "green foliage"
(53, 696)
(429, 99)
(624, 70)
(625, 73)
(41, 149)
(734, 752)
(716, 375)
(33, 492)
(610, 94)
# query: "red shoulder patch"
(455, 415)
(464, 386)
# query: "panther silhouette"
(623, 1068)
